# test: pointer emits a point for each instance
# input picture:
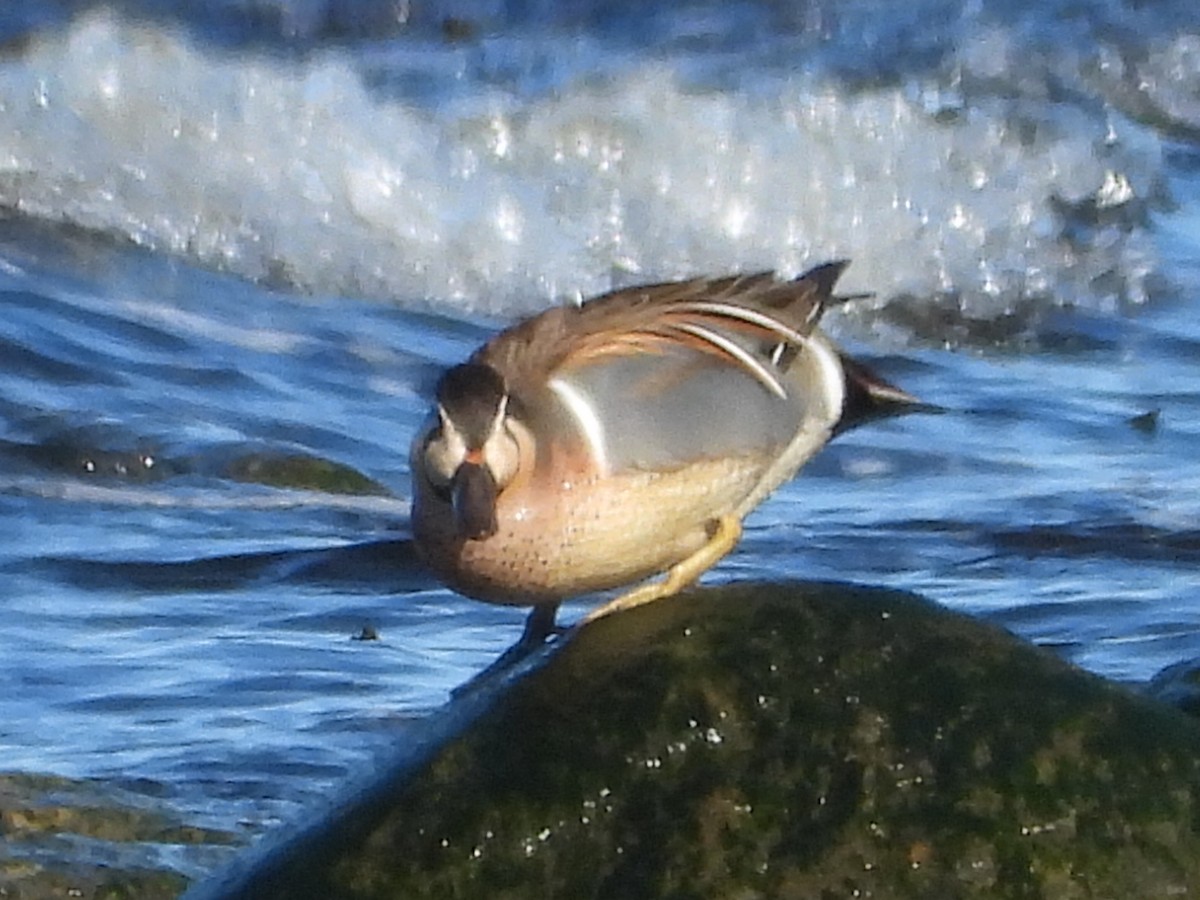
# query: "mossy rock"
(301, 472)
(779, 741)
(25, 880)
(69, 838)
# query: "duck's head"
(472, 455)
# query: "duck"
(621, 442)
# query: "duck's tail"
(868, 396)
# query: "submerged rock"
(66, 838)
(300, 471)
(778, 741)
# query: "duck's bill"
(473, 498)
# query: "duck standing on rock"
(592, 447)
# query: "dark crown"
(470, 396)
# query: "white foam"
(295, 173)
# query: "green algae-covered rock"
(66, 838)
(787, 741)
(299, 471)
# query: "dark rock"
(1179, 686)
(786, 741)
(1146, 423)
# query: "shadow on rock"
(776, 741)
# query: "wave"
(967, 193)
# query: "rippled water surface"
(239, 240)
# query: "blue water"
(235, 235)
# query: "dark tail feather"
(867, 395)
(870, 397)
(825, 276)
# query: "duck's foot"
(539, 626)
(725, 533)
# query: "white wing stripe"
(738, 352)
(751, 316)
(580, 406)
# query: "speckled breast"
(559, 538)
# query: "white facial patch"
(445, 453)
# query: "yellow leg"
(727, 531)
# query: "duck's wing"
(656, 375)
(753, 322)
